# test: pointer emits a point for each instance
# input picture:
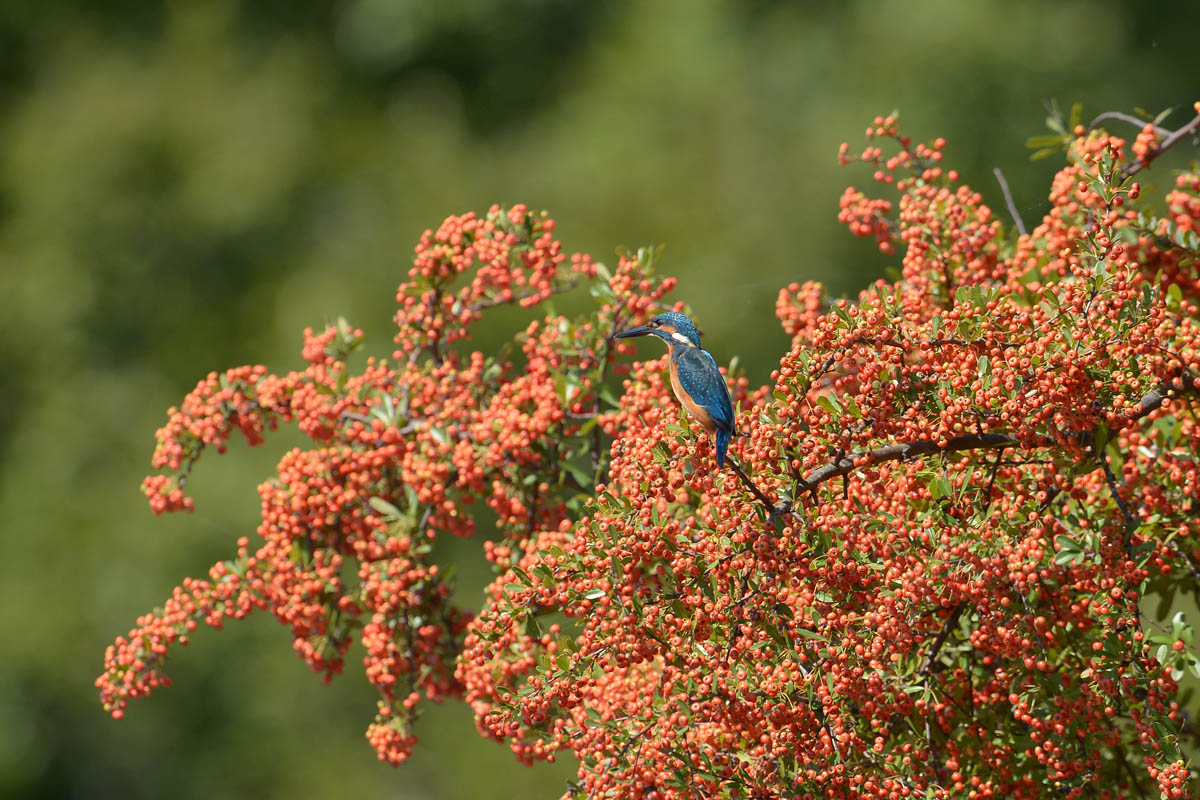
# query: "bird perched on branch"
(694, 375)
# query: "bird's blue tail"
(722, 445)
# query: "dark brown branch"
(950, 624)
(1133, 781)
(926, 669)
(902, 452)
(1126, 514)
(1143, 162)
(941, 342)
(758, 493)
(1102, 457)
(992, 478)
(1008, 200)
(845, 464)
(1152, 400)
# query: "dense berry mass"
(927, 581)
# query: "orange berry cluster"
(399, 452)
(973, 474)
(923, 577)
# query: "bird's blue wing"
(700, 378)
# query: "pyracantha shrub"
(928, 577)
(399, 453)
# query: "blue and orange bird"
(694, 375)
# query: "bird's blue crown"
(681, 323)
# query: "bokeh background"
(185, 186)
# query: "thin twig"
(1133, 781)
(1102, 456)
(1008, 200)
(1132, 120)
(947, 627)
(1168, 143)
(518, 298)
(758, 493)
(992, 479)
(1130, 524)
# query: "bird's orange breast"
(695, 409)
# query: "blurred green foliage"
(185, 186)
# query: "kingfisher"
(694, 375)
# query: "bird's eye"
(654, 323)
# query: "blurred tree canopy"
(185, 186)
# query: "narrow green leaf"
(1047, 140)
(384, 508)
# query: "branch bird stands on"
(694, 375)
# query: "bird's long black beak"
(640, 330)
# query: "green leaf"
(852, 407)
(606, 394)
(940, 487)
(830, 403)
(1067, 544)
(587, 426)
(584, 477)
(1065, 558)
(1174, 296)
(384, 508)
(601, 291)
(1047, 140)
(776, 635)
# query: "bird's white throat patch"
(679, 337)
